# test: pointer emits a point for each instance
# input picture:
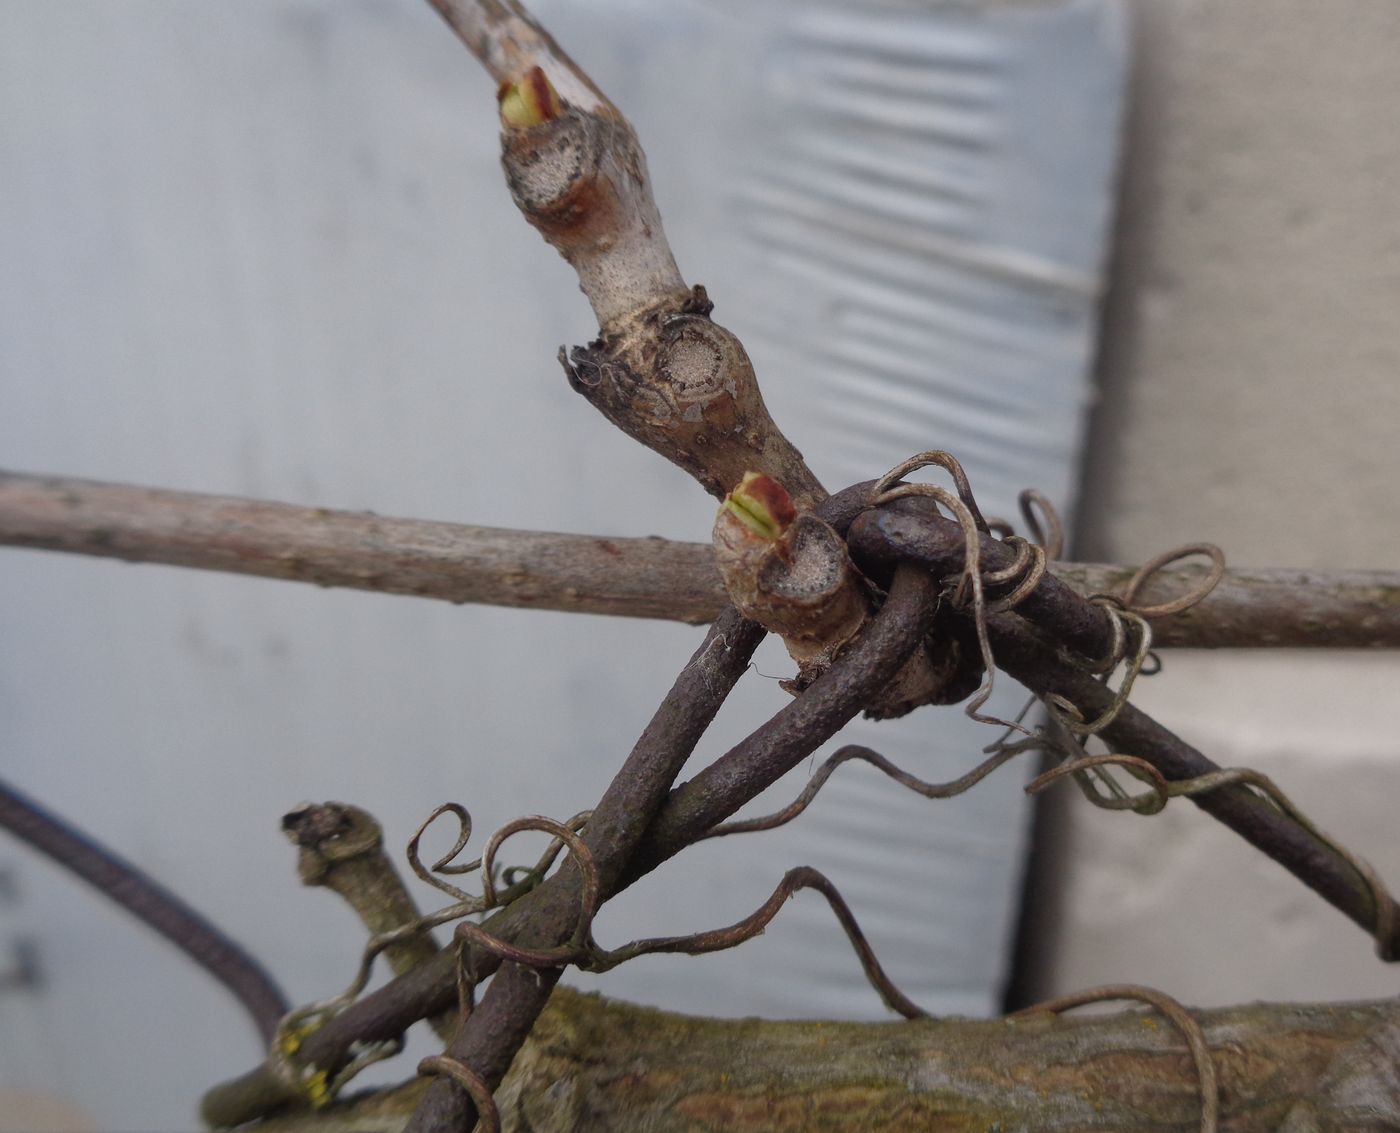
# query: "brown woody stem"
(1041, 668)
(547, 914)
(642, 578)
(341, 847)
(660, 369)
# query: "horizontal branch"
(594, 1065)
(640, 578)
(645, 578)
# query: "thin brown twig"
(149, 902)
(621, 577)
(1387, 911)
(715, 940)
(857, 752)
(1312, 859)
(1162, 790)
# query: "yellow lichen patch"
(317, 1089)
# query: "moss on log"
(593, 1065)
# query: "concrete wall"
(1250, 395)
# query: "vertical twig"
(341, 848)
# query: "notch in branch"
(341, 848)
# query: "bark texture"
(591, 1066)
(626, 577)
(649, 578)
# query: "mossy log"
(593, 1065)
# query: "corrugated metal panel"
(265, 250)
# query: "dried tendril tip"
(528, 102)
(762, 505)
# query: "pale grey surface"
(265, 249)
(1252, 386)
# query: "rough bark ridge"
(591, 1066)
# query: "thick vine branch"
(660, 369)
(628, 577)
(1043, 669)
(593, 1065)
(547, 915)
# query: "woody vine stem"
(890, 595)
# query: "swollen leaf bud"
(762, 505)
(528, 102)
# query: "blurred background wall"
(1250, 384)
(264, 249)
(242, 252)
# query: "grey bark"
(631, 577)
